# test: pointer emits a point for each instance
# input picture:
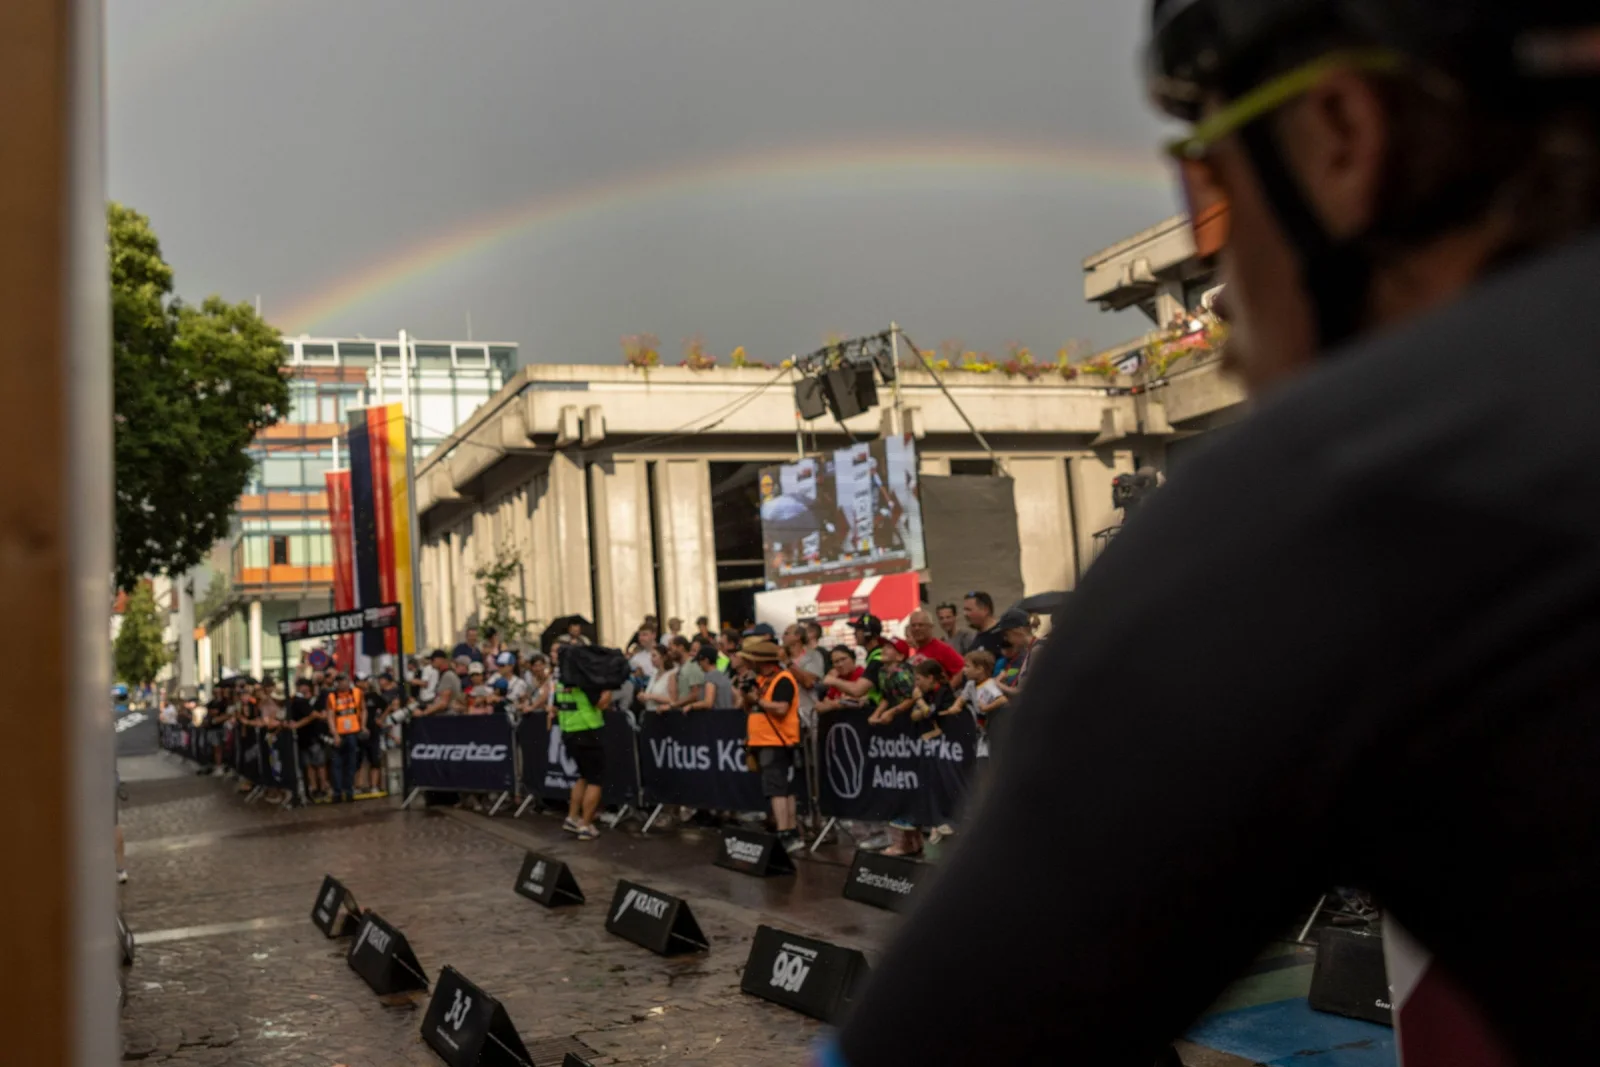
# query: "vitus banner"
(895, 771)
(460, 753)
(810, 976)
(549, 771)
(698, 759)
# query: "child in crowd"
(895, 684)
(980, 695)
(933, 697)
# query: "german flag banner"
(344, 578)
(381, 522)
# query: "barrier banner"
(548, 769)
(698, 759)
(877, 773)
(883, 881)
(658, 921)
(279, 766)
(460, 753)
(547, 881)
(752, 852)
(335, 913)
(468, 1028)
(382, 955)
(813, 977)
(248, 746)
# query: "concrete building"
(1159, 271)
(279, 560)
(626, 493)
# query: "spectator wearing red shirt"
(843, 661)
(920, 631)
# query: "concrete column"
(185, 628)
(203, 673)
(1089, 477)
(685, 542)
(1044, 523)
(460, 577)
(558, 503)
(255, 639)
(624, 579)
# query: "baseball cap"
(1012, 619)
(870, 623)
(476, 668)
(900, 646)
(505, 659)
(762, 629)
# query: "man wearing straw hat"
(772, 732)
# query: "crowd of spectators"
(962, 659)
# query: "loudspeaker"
(810, 399)
(850, 391)
(1350, 977)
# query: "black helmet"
(1200, 47)
(1511, 55)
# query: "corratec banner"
(894, 771)
(460, 753)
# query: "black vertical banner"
(364, 527)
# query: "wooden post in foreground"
(57, 899)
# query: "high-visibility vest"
(345, 711)
(575, 712)
(763, 729)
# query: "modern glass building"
(279, 557)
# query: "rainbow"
(943, 165)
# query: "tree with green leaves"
(504, 609)
(140, 651)
(193, 386)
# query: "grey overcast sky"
(762, 173)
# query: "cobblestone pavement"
(230, 970)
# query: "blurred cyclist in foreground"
(1378, 597)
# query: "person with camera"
(1386, 577)
(580, 712)
(771, 697)
(347, 724)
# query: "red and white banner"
(891, 597)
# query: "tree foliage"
(193, 386)
(504, 609)
(139, 652)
